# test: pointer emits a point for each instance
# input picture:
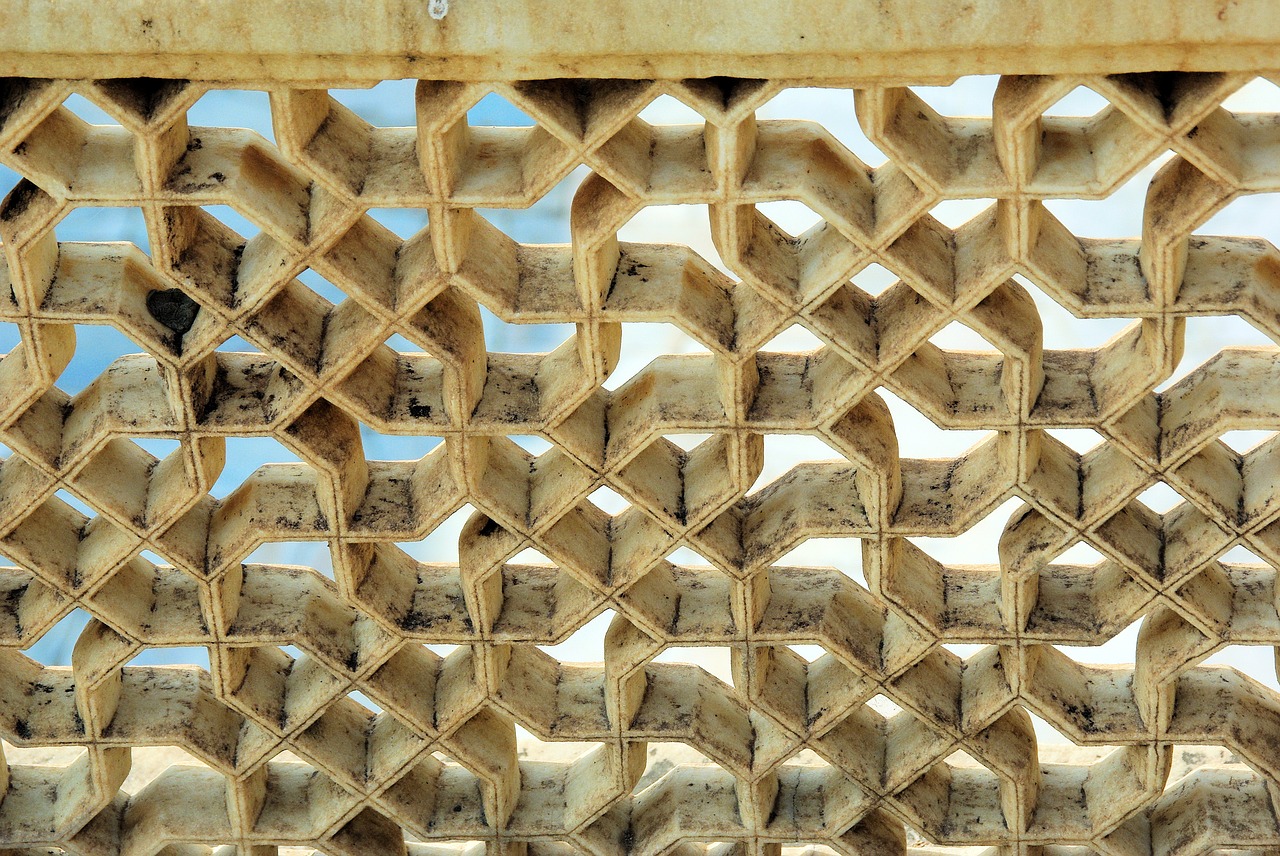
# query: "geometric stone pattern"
(793, 752)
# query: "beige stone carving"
(276, 752)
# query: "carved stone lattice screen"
(324, 719)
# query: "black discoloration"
(174, 309)
(20, 198)
(145, 96)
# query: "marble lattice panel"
(894, 699)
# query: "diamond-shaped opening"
(54, 647)
(531, 443)
(977, 545)
(687, 225)
(546, 221)
(1160, 498)
(963, 650)
(97, 347)
(830, 108)
(1078, 439)
(1241, 555)
(796, 339)
(364, 701)
(530, 556)
(1251, 215)
(669, 110)
(232, 219)
(919, 437)
(245, 455)
(1064, 331)
(884, 706)
(874, 279)
(441, 650)
(793, 217)
(1119, 215)
(444, 758)
(688, 442)
(961, 758)
(1256, 661)
(1245, 441)
(389, 104)
(608, 500)
(160, 447)
(233, 108)
(238, 345)
(441, 543)
(808, 652)
(505, 338)
(402, 345)
(104, 224)
(782, 452)
(396, 447)
(1081, 101)
(75, 502)
(1206, 336)
(403, 222)
(1120, 649)
(1257, 96)
(843, 554)
(310, 554)
(322, 286)
(687, 557)
(193, 655)
(643, 342)
(957, 336)
(584, 645)
(714, 659)
(88, 111)
(1079, 553)
(954, 213)
(495, 111)
(967, 96)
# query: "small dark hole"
(173, 308)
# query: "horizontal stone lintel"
(331, 42)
